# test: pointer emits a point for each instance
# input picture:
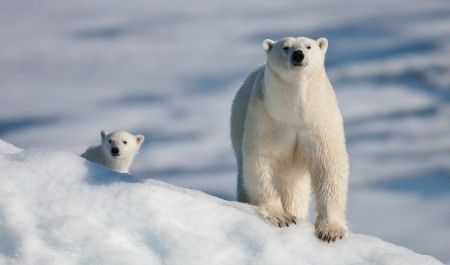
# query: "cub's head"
(296, 55)
(120, 144)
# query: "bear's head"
(120, 144)
(295, 55)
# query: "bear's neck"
(121, 164)
(290, 98)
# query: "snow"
(169, 70)
(57, 208)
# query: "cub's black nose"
(298, 56)
(115, 151)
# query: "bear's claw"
(328, 238)
(280, 220)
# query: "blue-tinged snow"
(57, 208)
(169, 70)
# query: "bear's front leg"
(330, 178)
(266, 147)
(258, 181)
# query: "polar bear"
(117, 150)
(287, 133)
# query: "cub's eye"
(109, 141)
(286, 48)
(308, 47)
(124, 142)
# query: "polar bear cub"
(287, 133)
(117, 150)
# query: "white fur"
(128, 145)
(287, 133)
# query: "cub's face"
(295, 55)
(120, 144)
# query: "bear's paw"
(280, 219)
(330, 232)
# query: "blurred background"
(169, 70)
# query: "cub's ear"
(267, 45)
(323, 44)
(103, 134)
(140, 139)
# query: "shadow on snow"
(429, 184)
(10, 126)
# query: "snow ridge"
(57, 208)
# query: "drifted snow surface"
(57, 208)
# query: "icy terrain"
(57, 208)
(169, 70)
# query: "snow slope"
(57, 208)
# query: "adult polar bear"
(287, 131)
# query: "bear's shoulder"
(93, 152)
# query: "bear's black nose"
(298, 56)
(115, 151)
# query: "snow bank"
(57, 208)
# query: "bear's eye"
(286, 48)
(308, 47)
(124, 142)
(109, 141)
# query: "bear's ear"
(267, 45)
(103, 134)
(323, 44)
(140, 139)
